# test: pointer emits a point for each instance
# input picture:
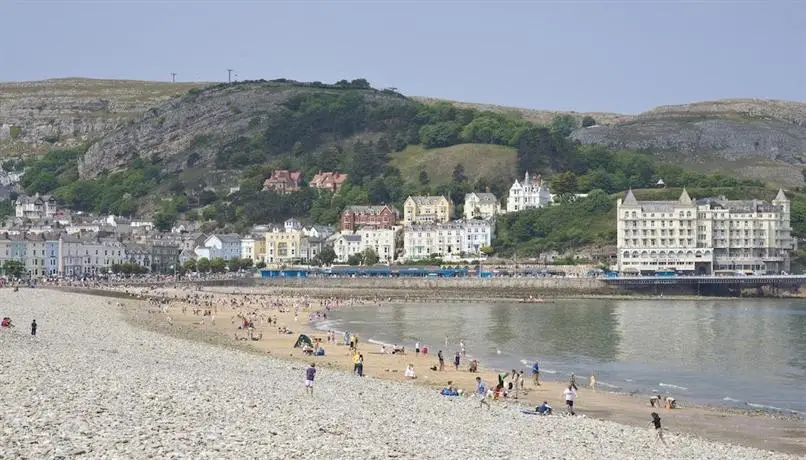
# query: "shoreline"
(748, 427)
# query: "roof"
(483, 197)
(375, 209)
(629, 199)
(781, 196)
(328, 178)
(229, 238)
(431, 200)
(284, 175)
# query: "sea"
(748, 353)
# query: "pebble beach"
(93, 385)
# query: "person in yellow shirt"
(356, 360)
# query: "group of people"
(7, 323)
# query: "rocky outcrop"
(731, 130)
(202, 121)
(35, 116)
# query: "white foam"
(669, 385)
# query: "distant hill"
(760, 139)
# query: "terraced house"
(450, 240)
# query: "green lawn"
(479, 160)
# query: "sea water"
(740, 353)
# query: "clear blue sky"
(585, 56)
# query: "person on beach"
(658, 429)
(544, 409)
(456, 361)
(536, 373)
(441, 361)
(481, 390)
(572, 380)
(33, 328)
(417, 349)
(570, 395)
(310, 373)
(593, 383)
(355, 362)
(360, 365)
(410, 372)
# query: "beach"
(108, 377)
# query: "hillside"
(758, 139)
(541, 117)
(478, 160)
(39, 115)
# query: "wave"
(606, 385)
(728, 398)
(669, 385)
(765, 407)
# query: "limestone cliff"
(38, 115)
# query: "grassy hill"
(479, 161)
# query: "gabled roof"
(483, 197)
(781, 196)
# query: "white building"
(247, 247)
(704, 236)
(531, 193)
(481, 206)
(456, 239)
(226, 247)
(346, 244)
(380, 240)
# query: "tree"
(13, 268)
(563, 125)
(486, 250)
(164, 220)
(218, 265)
(370, 257)
(190, 265)
(327, 255)
(459, 173)
(564, 183)
(423, 178)
(203, 265)
(588, 121)
(355, 259)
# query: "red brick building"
(354, 217)
(328, 181)
(283, 181)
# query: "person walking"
(360, 365)
(33, 328)
(417, 349)
(310, 373)
(441, 361)
(456, 361)
(481, 390)
(536, 373)
(570, 395)
(572, 380)
(658, 429)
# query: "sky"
(601, 56)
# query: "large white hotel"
(704, 236)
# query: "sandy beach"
(104, 380)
